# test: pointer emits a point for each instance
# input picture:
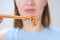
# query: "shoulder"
(54, 32)
(2, 33)
(55, 29)
(7, 33)
(11, 34)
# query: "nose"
(30, 2)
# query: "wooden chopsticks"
(29, 17)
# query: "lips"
(30, 10)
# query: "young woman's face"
(33, 7)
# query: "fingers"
(1, 19)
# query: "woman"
(23, 30)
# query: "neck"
(29, 28)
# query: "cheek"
(41, 3)
(20, 3)
(40, 8)
(21, 9)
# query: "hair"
(45, 21)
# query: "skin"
(1, 19)
(38, 5)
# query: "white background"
(7, 7)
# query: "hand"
(1, 19)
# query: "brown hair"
(45, 17)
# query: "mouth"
(29, 11)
